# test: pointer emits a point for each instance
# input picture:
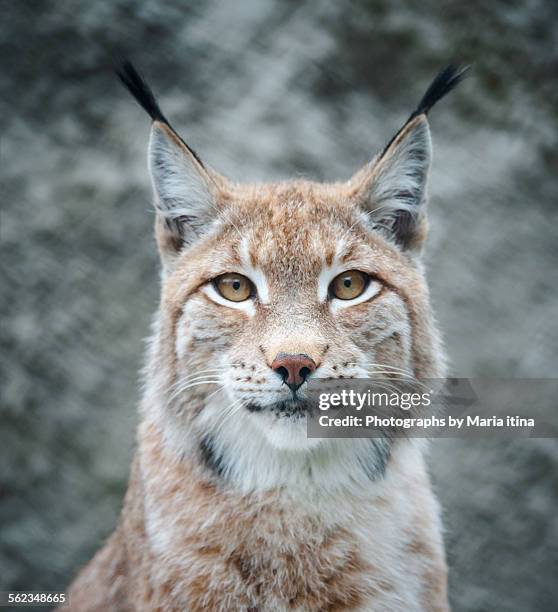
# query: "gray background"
(267, 90)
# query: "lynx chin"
(230, 507)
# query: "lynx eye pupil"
(347, 282)
(236, 285)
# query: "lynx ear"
(392, 189)
(185, 190)
(185, 194)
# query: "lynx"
(230, 505)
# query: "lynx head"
(266, 286)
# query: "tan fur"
(191, 538)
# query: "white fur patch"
(374, 287)
(261, 452)
(246, 306)
(256, 275)
(328, 273)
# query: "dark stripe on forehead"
(350, 252)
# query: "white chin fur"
(284, 433)
(259, 451)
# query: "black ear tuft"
(444, 82)
(141, 91)
(137, 86)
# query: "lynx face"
(267, 286)
(289, 270)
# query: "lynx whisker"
(228, 413)
(181, 390)
(395, 376)
(384, 366)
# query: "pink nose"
(293, 369)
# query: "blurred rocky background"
(268, 89)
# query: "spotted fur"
(230, 506)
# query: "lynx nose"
(293, 369)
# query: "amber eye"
(234, 287)
(348, 285)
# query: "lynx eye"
(348, 285)
(234, 287)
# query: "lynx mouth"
(293, 408)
